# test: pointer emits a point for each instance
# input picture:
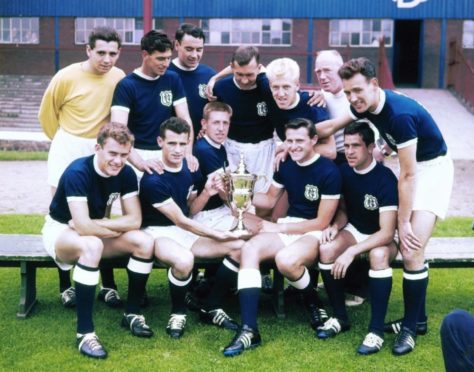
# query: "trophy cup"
(239, 187)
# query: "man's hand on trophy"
(214, 184)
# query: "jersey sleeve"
(129, 183)
(123, 96)
(52, 100)
(319, 114)
(388, 196)
(402, 129)
(332, 186)
(76, 185)
(154, 191)
(278, 178)
(179, 95)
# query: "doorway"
(407, 63)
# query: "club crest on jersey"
(113, 197)
(370, 202)
(166, 98)
(311, 192)
(202, 90)
(262, 109)
(391, 139)
(190, 191)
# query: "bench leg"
(278, 294)
(27, 289)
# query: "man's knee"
(287, 262)
(142, 244)
(326, 253)
(90, 249)
(379, 258)
(183, 264)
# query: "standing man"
(313, 184)
(364, 225)
(425, 183)
(166, 201)
(78, 233)
(286, 102)
(147, 97)
(251, 131)
(189, 45)
(75, 106)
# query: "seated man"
(76, 232)
(166, 200)
(209, 208)
(364, 224)
(313, 184)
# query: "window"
(468, 34)
(224, 31)
(19, 30)
(360, 32)
(129, 29)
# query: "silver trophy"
(239, 187)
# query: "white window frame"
(360, 33)
(129, 29)
(19, 30)
(468, 34)
(248, 31)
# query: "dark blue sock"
(178, 289)
(335, 291)
(225, 278)
(415, 284)
(85, 296)
(249, 306)
(380, 286)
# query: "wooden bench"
(27, 252)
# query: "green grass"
(46, 340)
(23, 155)
(32, 223)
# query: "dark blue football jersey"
(211, 157)
(367, 194)
(250, 122)
(81, 182)
(402, 121)
(194, 83)
(158, 189)
(151, 102)
(307, 184)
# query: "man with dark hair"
(75, 106)
(166, 201)
(424, 185)
(251, 130)
(147, 97)
(78, 233)
(189, 45)
(313, 184)
(364, 225)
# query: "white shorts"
(258, 158)
(145, 155)
(65, 148)
(358, 236)
(50, 233)
(183, 237)
(219, 218)
(288, 239)
(434, 183)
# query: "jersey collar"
(212, 143)
(97, 169)
(237, 85)
(310, 161)
(181, 67)
(172, 170)
(382, 98)
(297, 101)
(368, 169)
(138, 72)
